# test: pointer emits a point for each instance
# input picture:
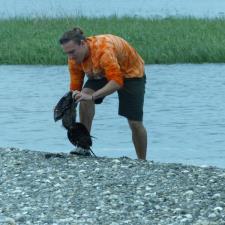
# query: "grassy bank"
(171, 40)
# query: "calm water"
(153, 8)
(184, 113)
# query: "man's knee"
(135, 125)
(85, 105)
(87, 91)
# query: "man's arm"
(76, 75)
(108, 89)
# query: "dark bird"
(79, 136)
(65, 110)
(77, 133)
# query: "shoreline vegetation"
(159, 41)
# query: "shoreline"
(81, 190)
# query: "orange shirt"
(109, 56)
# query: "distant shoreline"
(158, 41)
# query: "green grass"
(170, 40)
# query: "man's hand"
(81, 96)
(75, 93)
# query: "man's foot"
(81, 151)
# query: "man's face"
(75, 51)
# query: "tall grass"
(170, 40)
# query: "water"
(184, 113)
(90, 8)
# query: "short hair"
(76, 35)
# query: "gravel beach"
(60, 189)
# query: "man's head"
(74, 44)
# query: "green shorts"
(131, 96)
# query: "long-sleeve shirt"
(109, 56)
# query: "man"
(110, 64)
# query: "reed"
(164, 41)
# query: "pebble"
(189, 192)
(218, 209)
(215, 196)
(222, 175)
(212, 215)
(7, 220)
(116, 161)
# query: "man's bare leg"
(87, 110)
(139, 137)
